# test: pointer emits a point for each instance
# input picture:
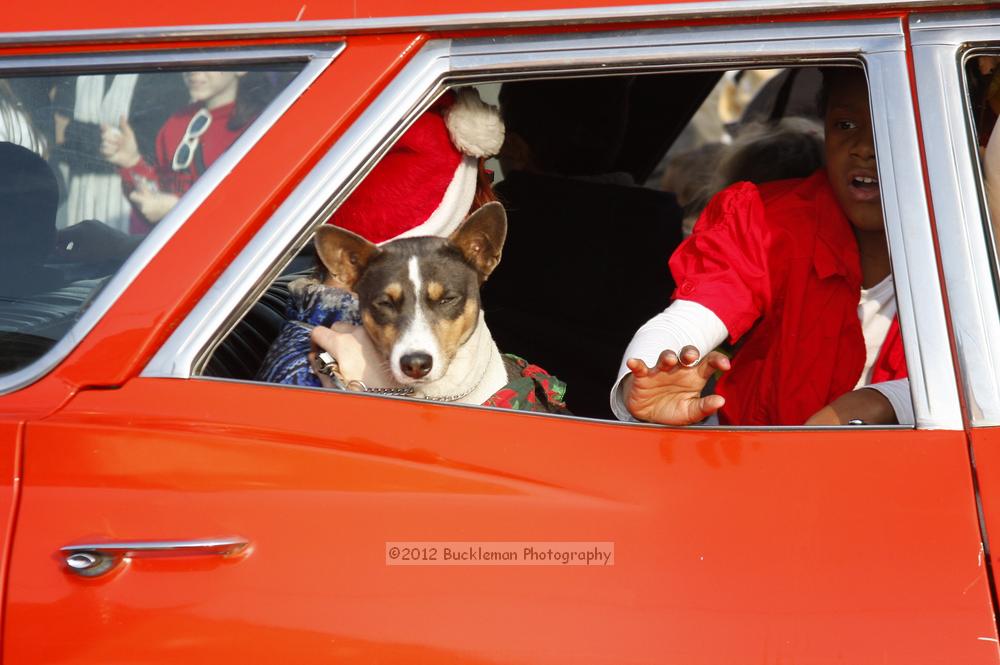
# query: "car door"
(51, 345)
(264, 522)
(953, 94)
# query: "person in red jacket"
(797, 274)
(223, 105)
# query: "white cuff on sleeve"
(683, 323)
(898, 394)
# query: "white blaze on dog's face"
(419, 303)
(419, 297)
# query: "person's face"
(850, 151)
(213, 89)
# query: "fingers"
(689, 356)
(667, 360)
(338, 339)
(703, 407)
(710, 404)
(322, 337)
(111, 138)
(343, 327)
(714, 362)
(637, 367)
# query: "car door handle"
(93, 559)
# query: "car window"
(598, 194)
(983, 90)
(90, 164)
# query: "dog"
(419, 303)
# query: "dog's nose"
(416, 365)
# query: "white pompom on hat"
(426, 183)
(475, 127)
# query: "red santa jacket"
(779, 265)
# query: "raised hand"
(669, 393)
(118, 144)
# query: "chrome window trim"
(477, 20)
(964, 237)
(880, 43)
(317, 59)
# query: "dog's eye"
(383, 302)
(450, 299)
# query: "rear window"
(89, 165)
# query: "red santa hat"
(425, 184)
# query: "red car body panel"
(876, 557)
(120, 14)
(769, 546)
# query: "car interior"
(564, 295)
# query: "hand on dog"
(670, 393)
(357, 357)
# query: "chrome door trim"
(475, 20)
(964, 237)
(880, 43)
(954, 27)
(317, 60)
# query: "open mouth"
(863, 187)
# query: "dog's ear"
(481, 236)
(344, 254)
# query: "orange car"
(161, 506)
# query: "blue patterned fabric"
(310, 304)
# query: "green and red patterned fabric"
(529, 388)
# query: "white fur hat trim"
(475, 127)
(455, 203)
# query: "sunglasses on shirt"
(186, 149)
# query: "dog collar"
(328, 365)
(455, 398)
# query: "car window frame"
(942, 44)
(315, 59)
(877, 43)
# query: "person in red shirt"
(797, 274)
(223, 104)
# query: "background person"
(223, 104)
(15, 125)
(81, 105)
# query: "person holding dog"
(428, 183)
(797, 274)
